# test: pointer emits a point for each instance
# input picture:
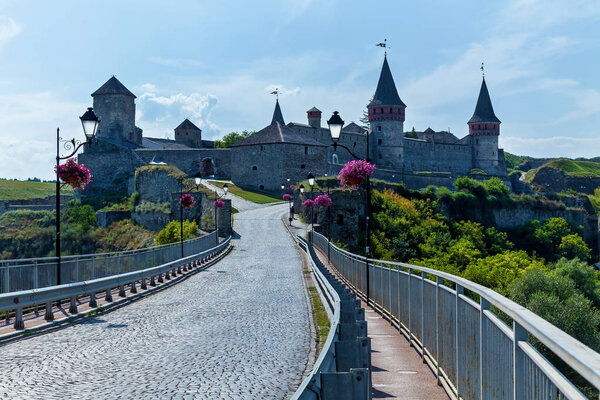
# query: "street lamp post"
(89, 122)
(217, 197)
(336, 124)
(311, 182)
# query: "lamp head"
(301, 188)
(197, 178)
(90, 122)
(311, 179)
(225, 188)
(335, 124)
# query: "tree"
(232, 138)
(573, 246)
(172, 232)
(412, 134)
(496, 187)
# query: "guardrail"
(342, 370)
(474, 353)
(17, 301)
(34, 273)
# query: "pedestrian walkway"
(398, 369)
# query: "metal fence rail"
(17, 301)
(475, 354)
(35, 273)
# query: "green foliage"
(249, 194)
(513, 161)
(470, 185)
(172, 232)
(412, 134)
(232, 138)
(573, 246)
(171, 171)
(495, 187)
(595, 199)
(122, 235)
(18, 190)
(149, 207)
(208, 222)
(584, 277)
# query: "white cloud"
(176, 62)
(158, 114)
(283, 90)
(8, 29)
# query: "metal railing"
(474, 353)
(35, 273)
(342, 370)
(17, 301)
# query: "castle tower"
(277, 115)
(386, 119)
(189, 133)
(114, 104)
(484, 129)
(314, 117)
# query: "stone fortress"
(279, 151)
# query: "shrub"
(172, 232)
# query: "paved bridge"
(239, 330)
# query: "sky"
(216, 62)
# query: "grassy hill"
(576, 169)
(17, 190)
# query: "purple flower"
(287, 196)
(75, 175)
(292, 186)
(187, 201)
(355, 172)
(308, 203)
(323, 200)
(219, 203)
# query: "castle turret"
(314, 117)
(114, 104)
(386, 118)
(277, 115)
(484, 129)
(189, 133)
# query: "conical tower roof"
(386, 93)
(113, 86)
(484, 112)
(277, 115)
(187, 124)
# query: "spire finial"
(384, 46)
(276, 93)
(482, 70)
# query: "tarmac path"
(239, 330)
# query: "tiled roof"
(386, 93)
(113, 86)
(484, 112)
(278, 133)
(277, 115)
(187, 124)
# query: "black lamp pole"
(90, 123)
(181, 215)
(335, 128)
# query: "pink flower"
(323, 200)
(292, 186)
(75, 175)
(308, 203)
(219, 203)
(187, 201)
(354, 171)
(287, 196)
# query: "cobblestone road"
(239, 330)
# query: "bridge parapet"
(475, 354)
(35, 273)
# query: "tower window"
(477, 141)
(379, 155)
(305, 150)
(340, 219)
(302, 166)
(254, 168)
(379, 141)
(379, 128)
(262, 148)
(391, 111)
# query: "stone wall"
(554, 180)
(266, 167)
(155, 221)
(47, 203)
(106, 218)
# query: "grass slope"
(250, 195)
(18, 190)
(578, 169)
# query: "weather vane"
(276, 93)
(482, 70)
(384, 45)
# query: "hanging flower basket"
(354, 173)
(75, 175)
(323, 200)
(292, 186)
(187, 201)
(308, 203)
(219, 203)
(287, 196)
